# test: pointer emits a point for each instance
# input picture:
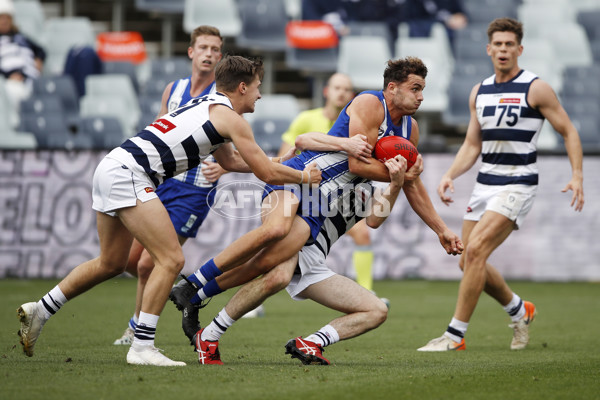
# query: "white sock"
(516, 308)
(217, 327)
(52, 302)
(456, 330)
(325, 336)
(146, 329)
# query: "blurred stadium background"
(47, 158)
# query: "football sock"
(133, 321)
(52, 302)
(146, 329)
(325, 336)
(515, 308)
(456, 330)
(363, 265)
(217, 327)
(205, 273)
(209, 290)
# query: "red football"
(390, 146)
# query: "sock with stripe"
(515, 309)
(456, 330)
(52, 302)
(325, 336)
(209, 290)
(146, 329)
(205, 273)
(362, 258)
(217, 327)
(133, 321)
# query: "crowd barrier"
(47, 226)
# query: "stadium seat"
(29, 17)
(118, 87)
(62, 86)
(110, 106)
(155, 86)
(484, 11)
(371, 28)
(590, 20)
(180, 66)
(532, 15)
(162, 6)
(268, 131)
(587, 126)
(275, 106)
(223, 14)
(458, 112)
(60, 35)
(437, 56)
(569, 40)
(470, 43)
(263, 25)
(42, 126)
(476, 69)
(106, 132)
(365, 67)
(122, 67)
(42, 104)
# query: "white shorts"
(513, 202)
(312, 270)
(115, 186)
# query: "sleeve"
(296, 128)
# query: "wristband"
(301, 177)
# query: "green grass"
(75, 358)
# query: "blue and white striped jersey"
(174, 143)
(509, 129)
(334, 164)
(180, 95)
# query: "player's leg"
(362, 257)
(188, 298)
(115, 241)
(278, 212)
(150, 224)
(250, 296)
(482, 239)
(132, 268)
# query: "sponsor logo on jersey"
(511, 100)
(149, 189)
(163, 125)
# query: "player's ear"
(242, 87)
(190, 52)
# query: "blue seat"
(105, 132)
(43, 126)
(263, 25)
(458, 112)
(268, 131)
(62, 86)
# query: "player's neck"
(505, 76)
(200, 81)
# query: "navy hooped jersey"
(509, 130)
(174, 143)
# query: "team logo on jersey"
(163, 125)
(511, 100)
(149, 189)
(469, 209)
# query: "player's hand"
(290, 153)
(451, 242)
(396, 167)
(212, 171)
(314, 174)
(445, 183)
(415, 171)
(358, 147)
(576, 185)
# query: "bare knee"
(378, 314)
(172, 262)
(474, 254)
(145, 267)
(275, 281)
(272, 233)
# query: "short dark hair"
(204, 30)
(505, 25)
(399, 70)
(232, 70)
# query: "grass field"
(75, 358)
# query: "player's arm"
(542, 97)
(366, 115)
(467, 154)
(382, 202)
(164, 100)
(231, 125)
(357, 146)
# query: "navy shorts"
(187, 205)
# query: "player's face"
(5, 23)
(408, 95)
(206, 53)
(252, 94)
(504, 50)
(339, 91)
